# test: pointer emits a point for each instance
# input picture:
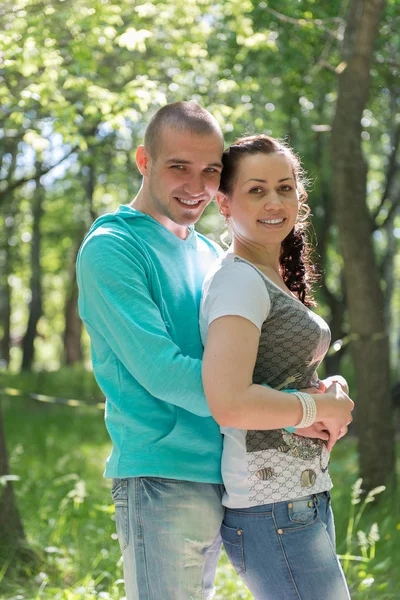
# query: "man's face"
(184, 177)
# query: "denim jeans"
(169, 534)
(286, 550)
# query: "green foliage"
(365, 542)
(367, 529)
(58, 453)
(81, 79)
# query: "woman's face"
(264, 202)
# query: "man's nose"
(195, 185)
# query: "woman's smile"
(272, 223)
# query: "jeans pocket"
(233, 543)
(119, 493)
(302, 512)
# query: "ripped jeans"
(169, 534)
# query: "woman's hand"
(318, 429)
(334, 412)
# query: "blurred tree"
(73, 325)
(5, 290)
(12, 533)
(79, 81)
(36, 303)
(369, 343)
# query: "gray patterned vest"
(293, 342)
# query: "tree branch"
(303, 21)
(390, 177)
(43, 171)
(392, 211)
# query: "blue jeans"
(169, 533)
(286, 550)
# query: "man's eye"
(179, 167)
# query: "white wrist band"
(309, 409)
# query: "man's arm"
(115, 300)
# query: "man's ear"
(142, 160)
(223, 204)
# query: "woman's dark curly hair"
(297, 271)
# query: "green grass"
(58, 452)
(69, 382)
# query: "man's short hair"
(182, 116)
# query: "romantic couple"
(221, 429)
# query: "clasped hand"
(335, 425)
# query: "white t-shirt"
(250, 300)
(259, 467)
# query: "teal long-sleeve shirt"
(139, 294)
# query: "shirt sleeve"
(236, 289)
(115, 300)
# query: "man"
(140, 272)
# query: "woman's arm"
(228, 363)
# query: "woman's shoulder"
(233, 288)
(231, 270)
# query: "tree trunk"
(336, 301)
(5, 315)
(388, 268)
(35, 307)
(5, 297)
(10, 209)
(370, 349)
(338, 308)
(391, 192)
(73, 352)
(73, 325)
(11, 528)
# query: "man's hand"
(321, 389)
(316, 430)
(325, 383)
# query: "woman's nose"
(273, 198)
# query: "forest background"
(79, 80)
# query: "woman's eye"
(256, 190)
(286, 188)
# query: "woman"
(258, 331)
